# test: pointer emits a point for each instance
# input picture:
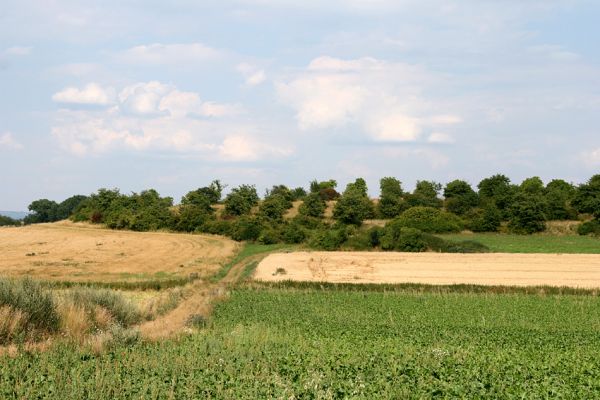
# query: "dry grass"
(573, 270)
(12, 323)
(75, 322)
(83, 252)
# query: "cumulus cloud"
(253, 76)
(153, 116)
(8, 141)
(440, 137)
(382, 99)
(247, 148)
(90, 94)
(178, 53)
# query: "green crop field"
(507, 243)
(342, 343)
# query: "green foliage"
(328, 239)
(559, 195)
(460, 197)
(313, 206)
(269, 235)
(42, 210)
(532, 186)
(241, 200)
(391, 203)
(497, 190)
(589, 228)
(274, 206)
(142, 212)
(298, 193)
(192, 218)
(425, 195)
(36, 304)
(7, 221)
(486, 219)
(325, 189)
(294, 233)
(246, 228)
(527, 213)
(343, 341)
(283, 192)
(354, 206)
(429, 219)
(400, 238)
(587, 197)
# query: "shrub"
(246, 228)
(274, 206)
(121, 310)
(241, 200)
(354, 206)
(217, 227)
(293, 233)
(429, 219)
(191, 218)
(269, 235)
(313, 206)
(329, 239)
(527, 214)
(390, 203)
(486, 219)
(589, 228)
(36, 305)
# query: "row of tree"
(525, 207)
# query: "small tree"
(390, 203)
(460, 197)
(425, 195)
(559, 195)
(313, 206)
(527, 213)
(273, 207)
(43, 210)
(498, 190)
(354, 206)
(587, 197)
(241, 200)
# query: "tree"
(391, 203)
(460, 197)
(241, 200)
(354, 205)
(283, 191)
(559, 195)
(587, 197)
(533, 185)
(298, 193)
(527, 213)
(313, 206)
(497, 190)
(66, 208)
(425, 195)
(485, 219)
(326, 189)
(43, 210)
(274, 206)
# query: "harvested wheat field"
(575, 270)
(84, 252)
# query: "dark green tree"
(425, 195)
(527, 213)
(42, 210)
(559, 195)
(587, 197)
(390, 203)
(313, 206)
(498, 190)
(354, 205)
(241, 200)
(460, 197)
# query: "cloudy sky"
(171, 95)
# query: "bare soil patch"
(574, 270)
(84, 252)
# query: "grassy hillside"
(507, 243)
(287, 343)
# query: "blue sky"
(171, 95)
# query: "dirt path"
(575, 270)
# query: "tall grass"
(35, 306)
(123, 311)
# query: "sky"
(171, 95)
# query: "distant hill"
(14, 214)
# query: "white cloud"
(247, 148)
(8, 141)
(91, 94)
(440, 137)
(253, 76)
(592, 157)
(153, 116)
(179, 53)
(382, 99)
(18, 51)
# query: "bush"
(527, 214)
(241, 200)
(330, 239)
(429, 219)
(246, 228)
(217, 227)
(35, 304)
(486, 219)
(269, 235)
(589, 228)
(293, 233)
(399, 238)
(191, 218)
(122, 310)
(313, 206)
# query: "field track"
(83, 252)
(574, 270)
